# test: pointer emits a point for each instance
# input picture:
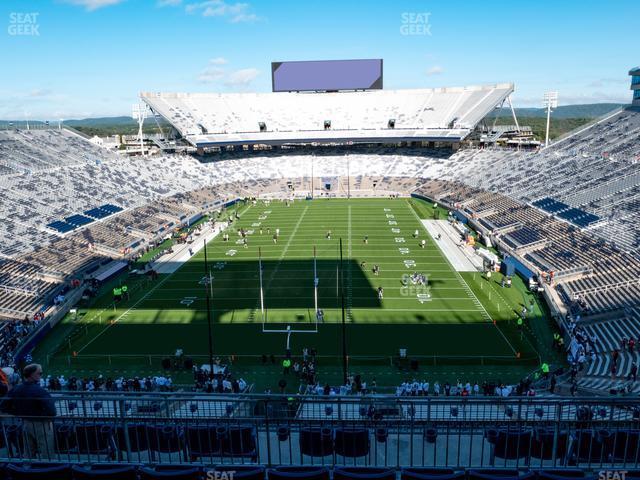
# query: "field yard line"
(284, 251)
(132, 307)
(464, 283)
(144, 297)
(349, 272)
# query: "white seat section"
(217, 118)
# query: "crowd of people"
(582, 351)
(107, 384)
(219, 383)
(12, 333)
(416, 388)
(100, 383)
(355, 385)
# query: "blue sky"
(87, 58)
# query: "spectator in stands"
(5, 384)
(35, 406)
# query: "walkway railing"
(179, 428)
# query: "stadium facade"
(446, 115)
(635, 85)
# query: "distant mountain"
(101, 121)
(592, 110)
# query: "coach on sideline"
(37, 409)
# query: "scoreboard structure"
(326, 75)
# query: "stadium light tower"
(139, 112)
(549, 101)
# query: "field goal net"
(313, 313)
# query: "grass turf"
(465, 320)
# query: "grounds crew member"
(117, 294)
(286, 365)
(545, 369)
(520, 324)
(125, 292)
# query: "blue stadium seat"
(39, 471)
(165, 439)
(10, 434)
(497, 474)
(542, 444)
(626, 446)
(352, 442)
(60, 226)
(95, 438)
(510, 443)
(104, 472)
(78, 220)
(96, 213)
(316, 441)
(133, 433)
(242, 472)
(65, 438)
(171, 472)
(364, 473)
(109, 208)
(558, 474)
(298, 473)
(240, 442)
(203, 441)
(594, 446)
(431, 474)
(90, 438)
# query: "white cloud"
(234, 12)
(169, 3)
(91, 5)
(216, 72)
(602, 82)
(241, 78)
(39, 93)
(245, 17)
(210, 75)
(435, 70)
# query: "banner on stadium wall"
(512, 263)
(460, 217)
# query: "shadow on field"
(286, 285)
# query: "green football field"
(451, 319)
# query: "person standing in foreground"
(37, 409)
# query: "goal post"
(288, 328)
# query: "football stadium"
(328, 280)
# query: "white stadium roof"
(216, 119)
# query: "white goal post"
(264, 312)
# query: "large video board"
(323, 75)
